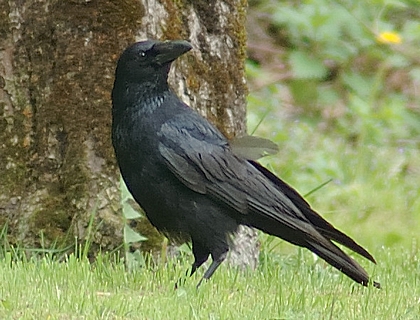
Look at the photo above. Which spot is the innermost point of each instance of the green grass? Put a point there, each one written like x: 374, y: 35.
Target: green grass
x: 374, y: 197
x: 295, y: 286
x: 354, y: 128
x: 374, y: 194
x: 336, y: 112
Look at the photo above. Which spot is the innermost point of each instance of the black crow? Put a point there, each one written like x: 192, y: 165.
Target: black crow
x: 191, y: 184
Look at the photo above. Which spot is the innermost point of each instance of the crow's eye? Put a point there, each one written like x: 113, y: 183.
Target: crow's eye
x: 142, y: 54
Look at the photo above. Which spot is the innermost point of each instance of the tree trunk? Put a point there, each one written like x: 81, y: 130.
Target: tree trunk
x: 57, y: 60
x: 57, y: 66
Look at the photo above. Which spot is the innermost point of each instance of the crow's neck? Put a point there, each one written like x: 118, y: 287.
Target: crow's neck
x: 151, y: 97
x: 145, y: 97
x: 141, y: 97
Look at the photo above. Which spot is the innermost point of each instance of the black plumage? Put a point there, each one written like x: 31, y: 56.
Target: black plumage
x: 192, y: 186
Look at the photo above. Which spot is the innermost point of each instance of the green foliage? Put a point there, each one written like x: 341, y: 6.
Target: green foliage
x: 334, y: 49
x: 304, y: 66
x: 134, y: 259
x: 345, y: 108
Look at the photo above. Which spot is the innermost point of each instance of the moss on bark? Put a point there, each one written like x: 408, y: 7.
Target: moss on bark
x: 56, y: 73
x: 57, y: 118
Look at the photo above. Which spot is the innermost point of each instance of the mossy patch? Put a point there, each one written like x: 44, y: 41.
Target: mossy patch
x: 154, y: 238
x: 4, y: 19
x: 63, y: 73
x: 52, y: 228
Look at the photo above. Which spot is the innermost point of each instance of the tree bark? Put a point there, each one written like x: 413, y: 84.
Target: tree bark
x: 57, y: 60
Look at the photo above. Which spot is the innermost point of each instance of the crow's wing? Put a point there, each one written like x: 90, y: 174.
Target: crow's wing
x: 200, y: 157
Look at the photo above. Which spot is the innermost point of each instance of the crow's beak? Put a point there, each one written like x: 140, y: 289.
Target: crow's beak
x: 168, y: 51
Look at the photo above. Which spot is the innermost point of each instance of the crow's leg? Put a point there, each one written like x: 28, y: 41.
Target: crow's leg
x: 201, y: 255
x: 217, y: 260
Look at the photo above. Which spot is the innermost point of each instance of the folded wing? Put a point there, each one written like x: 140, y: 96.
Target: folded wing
x: 258, y: 198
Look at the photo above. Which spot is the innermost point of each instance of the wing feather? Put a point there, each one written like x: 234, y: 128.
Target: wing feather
x: 202, y: 159
x: 212, y: 168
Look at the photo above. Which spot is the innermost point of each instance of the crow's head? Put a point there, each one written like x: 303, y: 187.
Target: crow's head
x: 146, y: 60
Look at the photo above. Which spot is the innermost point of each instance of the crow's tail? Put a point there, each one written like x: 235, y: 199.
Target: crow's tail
x: 308, y: 229
x: 338, y: 259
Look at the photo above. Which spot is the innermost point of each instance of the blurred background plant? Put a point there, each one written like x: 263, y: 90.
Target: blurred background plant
x: 337, y: 86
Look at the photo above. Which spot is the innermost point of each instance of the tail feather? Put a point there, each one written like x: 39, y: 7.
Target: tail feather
x: 339, y: 260
x: 315, y: 234
x: 345, y: 240
x: 319, y: 223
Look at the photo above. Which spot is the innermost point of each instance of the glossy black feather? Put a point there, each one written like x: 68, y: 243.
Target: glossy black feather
x: 191, y: 184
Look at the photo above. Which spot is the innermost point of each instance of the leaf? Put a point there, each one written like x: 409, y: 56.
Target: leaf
x: 131, y: 236
x: 125, y: 194
x: 127, y: 209
x: 361, y: 85
x: 306, y: 67
x: 129, y: 212
x: 253, y: 148
x: 135, y: 260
